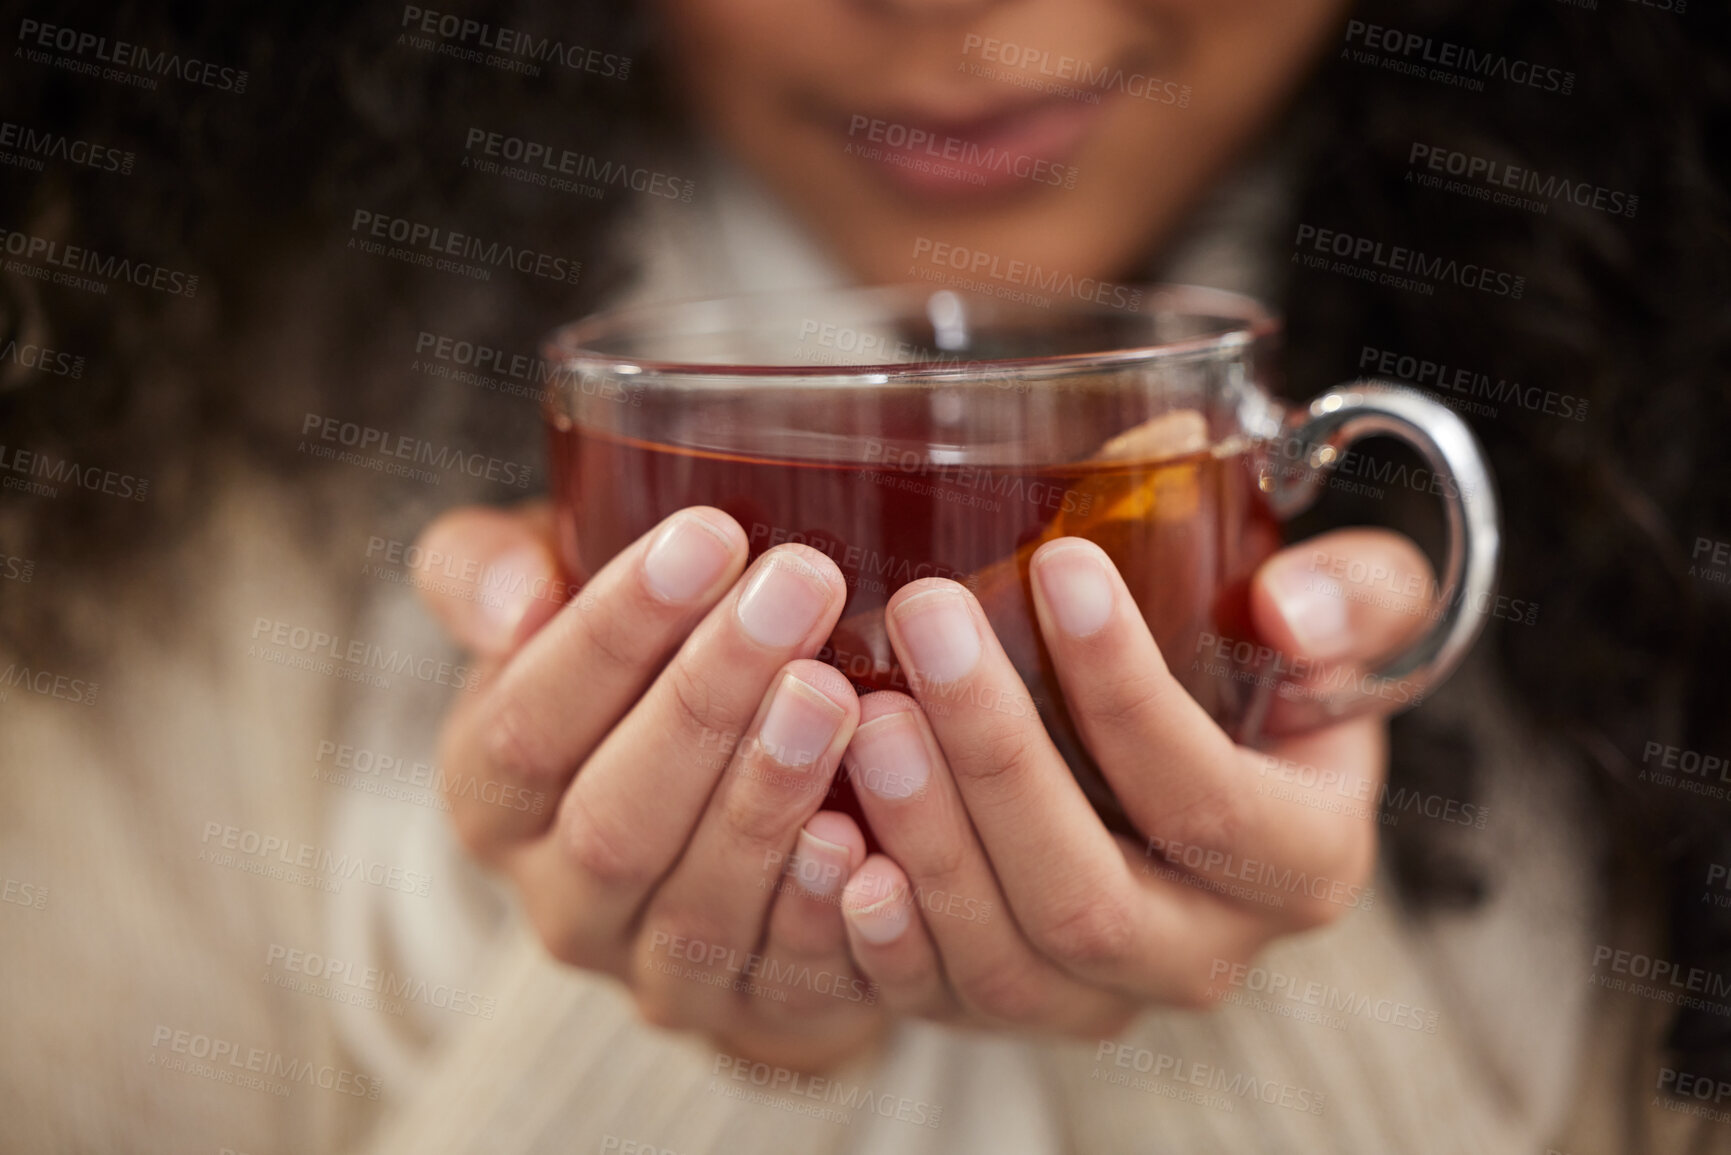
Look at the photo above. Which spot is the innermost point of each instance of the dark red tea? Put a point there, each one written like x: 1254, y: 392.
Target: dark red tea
x: 879, y: 497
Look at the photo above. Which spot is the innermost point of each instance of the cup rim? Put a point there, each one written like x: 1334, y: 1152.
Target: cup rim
x: 568, y: 346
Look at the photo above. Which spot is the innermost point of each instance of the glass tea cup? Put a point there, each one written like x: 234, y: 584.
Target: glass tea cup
x: 909, y: 433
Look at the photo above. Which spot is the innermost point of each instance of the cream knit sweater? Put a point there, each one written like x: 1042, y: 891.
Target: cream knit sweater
x: 184, y: 860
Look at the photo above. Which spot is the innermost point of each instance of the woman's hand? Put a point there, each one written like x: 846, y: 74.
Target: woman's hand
x: 1001, y: 897
x: 672, y: 715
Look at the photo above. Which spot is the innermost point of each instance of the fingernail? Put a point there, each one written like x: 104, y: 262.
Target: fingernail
x: 507, y: 591
x: 686, y: 558
x: 1076, y: 588
x: 800, y: 724
x: 939, y: 633
x: 818, y: 866
x: 1314, y: 607
x: 781, y: 604
x: 888, y: 756
x: 883, y: 920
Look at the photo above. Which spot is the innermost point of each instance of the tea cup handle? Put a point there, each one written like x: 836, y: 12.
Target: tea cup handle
x: 1332, y: 422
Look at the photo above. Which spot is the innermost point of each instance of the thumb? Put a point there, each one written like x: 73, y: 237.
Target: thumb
x: 489, y: 576
x: 1351, y: 596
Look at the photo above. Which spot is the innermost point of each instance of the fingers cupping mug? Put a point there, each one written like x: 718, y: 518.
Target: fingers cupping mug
x: 908, y: 433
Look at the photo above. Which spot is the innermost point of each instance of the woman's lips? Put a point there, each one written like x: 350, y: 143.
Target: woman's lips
x: 1026, y: 148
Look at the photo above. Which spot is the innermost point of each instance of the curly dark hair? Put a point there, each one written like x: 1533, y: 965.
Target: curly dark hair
x: 1627, y: 306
